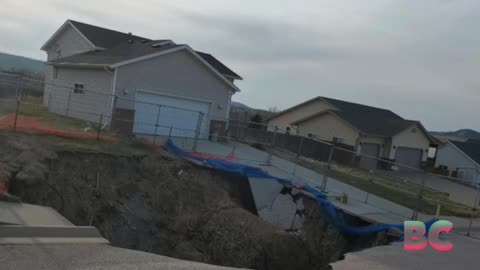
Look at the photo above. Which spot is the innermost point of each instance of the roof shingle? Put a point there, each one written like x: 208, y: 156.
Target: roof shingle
x: 471, y: 148
x: 118, y: 49
x: 367, y: 119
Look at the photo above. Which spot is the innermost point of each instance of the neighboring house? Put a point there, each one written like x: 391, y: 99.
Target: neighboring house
x: 371, y: 131
x: 461, y: 159
x: 113, y: 73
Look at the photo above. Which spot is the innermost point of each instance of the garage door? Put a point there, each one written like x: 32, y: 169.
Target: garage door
x: 369, y: 149
x: 408, y: 156
x: 179, y: 113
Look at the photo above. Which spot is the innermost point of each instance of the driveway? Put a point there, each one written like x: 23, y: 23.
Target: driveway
x: 458, y: 192
x: 360, y: 203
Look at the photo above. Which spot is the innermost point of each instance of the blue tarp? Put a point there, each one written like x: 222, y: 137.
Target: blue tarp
x: 332, y: 215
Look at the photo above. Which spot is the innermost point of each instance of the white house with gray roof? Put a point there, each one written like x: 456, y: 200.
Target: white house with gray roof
x: 138, y: 85
x: 373, y: 132
x: 461, y: 159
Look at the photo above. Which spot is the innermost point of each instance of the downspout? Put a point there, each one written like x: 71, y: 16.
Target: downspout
x: 113, y: 96
x: 229, y: 106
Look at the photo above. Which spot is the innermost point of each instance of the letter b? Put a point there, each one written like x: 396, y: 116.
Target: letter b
x: 414, y: 235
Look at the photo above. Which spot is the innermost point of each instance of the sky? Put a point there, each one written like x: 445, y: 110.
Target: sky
x: 418, y: 58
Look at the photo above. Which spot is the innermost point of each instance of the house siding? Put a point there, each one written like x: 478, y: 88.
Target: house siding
x: 176, y: 74
x: 68, y: 43
x: 47, y: 87
x: 453, y: 158
x: 409, y: 139
x: 283, y: 121
x: 327, y: 126
x: 96, y: 100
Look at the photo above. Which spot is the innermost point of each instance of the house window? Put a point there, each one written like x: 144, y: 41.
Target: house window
x: 414, y: 130
x: 287, y: 131
x: 78, y: 88
x: 55, y: 72
x: 310, y: 135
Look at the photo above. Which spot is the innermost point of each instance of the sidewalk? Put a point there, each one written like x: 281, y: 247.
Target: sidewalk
x: 393, y: 257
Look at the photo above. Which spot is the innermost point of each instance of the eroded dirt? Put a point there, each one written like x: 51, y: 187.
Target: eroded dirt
x: 148, y: 200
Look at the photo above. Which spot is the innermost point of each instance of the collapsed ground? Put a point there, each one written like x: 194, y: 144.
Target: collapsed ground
x: 145, y: 199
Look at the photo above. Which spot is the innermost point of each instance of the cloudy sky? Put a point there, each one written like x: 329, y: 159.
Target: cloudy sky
x: 419, y: 58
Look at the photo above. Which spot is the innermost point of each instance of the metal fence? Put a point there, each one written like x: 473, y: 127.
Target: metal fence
x: 335, y: 168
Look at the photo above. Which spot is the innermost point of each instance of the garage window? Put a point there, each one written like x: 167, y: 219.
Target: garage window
x: 78, y: 88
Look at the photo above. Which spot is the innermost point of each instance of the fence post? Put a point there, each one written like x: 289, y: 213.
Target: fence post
x: 156, y: 125
x: 170, y: 133
x: 329, y: 164
x: 274, y: 136
x: 300, y: 147
x: 99, y: 126
x: 16, y: 115
x: 68, y: 102
x: 474, y: 208
x: 197, y: 131
x: 419, y: 201
x: 17, y: 89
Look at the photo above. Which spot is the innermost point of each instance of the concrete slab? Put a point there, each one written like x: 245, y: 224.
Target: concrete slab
x: 29, y: 214
x: 393, y: 257
x: 278, y: 209
x: 89, y: 257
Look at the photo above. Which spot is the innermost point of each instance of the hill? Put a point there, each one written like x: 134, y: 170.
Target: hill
x: 241, y: 114
x: 461, y: 134
x: 9, y: 62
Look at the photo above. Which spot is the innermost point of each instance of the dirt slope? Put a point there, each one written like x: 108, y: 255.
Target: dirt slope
x: 148, y: 200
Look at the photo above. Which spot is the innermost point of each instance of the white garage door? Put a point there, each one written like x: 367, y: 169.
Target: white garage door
x: 410, y: 157
x: 179, y: 113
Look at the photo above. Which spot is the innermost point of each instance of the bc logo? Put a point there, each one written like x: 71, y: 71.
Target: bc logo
x: 414, y: 235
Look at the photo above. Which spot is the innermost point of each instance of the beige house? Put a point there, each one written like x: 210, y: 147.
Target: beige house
x: 372, y: 131
x: 149, y: 85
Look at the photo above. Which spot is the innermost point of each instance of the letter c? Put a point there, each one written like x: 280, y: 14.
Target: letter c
x: 441, y: 226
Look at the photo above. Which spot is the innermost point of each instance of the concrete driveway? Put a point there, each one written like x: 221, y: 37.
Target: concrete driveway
x: 458, y: 192
x: 360, y: 203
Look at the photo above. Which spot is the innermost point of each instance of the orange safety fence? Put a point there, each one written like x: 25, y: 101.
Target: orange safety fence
x: 32, y: 125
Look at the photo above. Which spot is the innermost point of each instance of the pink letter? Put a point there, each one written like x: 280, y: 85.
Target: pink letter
x: 441, y: 226
x: 414, y: 235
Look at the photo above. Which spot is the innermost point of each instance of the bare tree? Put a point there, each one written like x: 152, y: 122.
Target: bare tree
x: 274, y: 109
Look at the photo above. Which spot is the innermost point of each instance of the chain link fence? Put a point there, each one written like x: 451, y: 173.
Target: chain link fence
x: 334, y: 167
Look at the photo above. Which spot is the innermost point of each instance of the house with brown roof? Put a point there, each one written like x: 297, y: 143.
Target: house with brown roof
x: 371, y: 131
x: 148, y: 84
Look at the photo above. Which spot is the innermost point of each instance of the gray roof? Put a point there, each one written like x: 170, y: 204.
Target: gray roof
x: 121, y: 47
x: 471, y: 148
x: 369, y: 120
x: 121, y: 52
x: 102, y: 37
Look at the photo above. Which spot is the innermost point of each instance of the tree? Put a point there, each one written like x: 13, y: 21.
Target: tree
x: 274, y: 109
x: 256, y: 121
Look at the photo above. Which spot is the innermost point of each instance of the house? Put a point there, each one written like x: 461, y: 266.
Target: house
x: 461, y: 159
x: 136, y: 83
x: 371, y: 131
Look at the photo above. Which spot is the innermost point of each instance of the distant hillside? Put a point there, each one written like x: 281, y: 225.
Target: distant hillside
x: 239, y: 105
x: 462, y: 134
x: 243, y: 113
x: 10, y: 62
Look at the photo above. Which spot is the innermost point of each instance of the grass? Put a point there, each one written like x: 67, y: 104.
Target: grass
x: 402, y: 193
x: 33, y: 107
